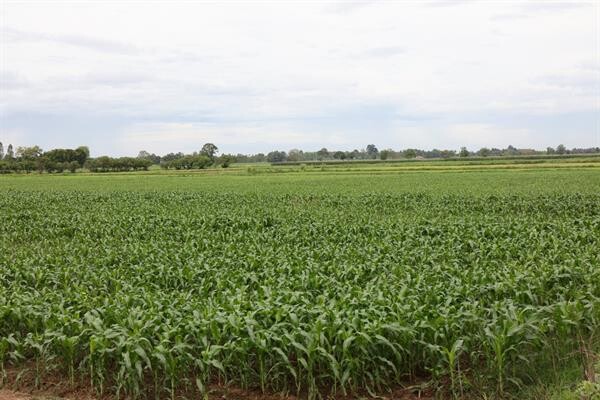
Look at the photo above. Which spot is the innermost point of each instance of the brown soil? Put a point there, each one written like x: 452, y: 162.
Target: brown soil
x: 228, y: 394
x: 57, y: 387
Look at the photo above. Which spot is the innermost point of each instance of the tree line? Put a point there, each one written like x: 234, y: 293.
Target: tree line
x: 371, y: 152
x: 29, y: 159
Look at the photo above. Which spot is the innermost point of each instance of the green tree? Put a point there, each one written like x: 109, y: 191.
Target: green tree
x: 409, y: 153
x: 72, y: 166
x: 484, y: 152
x: 510, y: 151
x: 144, y: 155
x: 323, y: 153
x: 550, y: 150
x: 339, y: 155
x: 372, y: 151
x: 561, y: 149
x: 1, y: 151
x: 84, y: 154
x: 463, y: 152
x: 172, y: 156
x: 10, y: 154
x: 225, y: 160
x: 29, y: 153
x: 209, y: 150
x: 295, y: 155
x: 276, y: 156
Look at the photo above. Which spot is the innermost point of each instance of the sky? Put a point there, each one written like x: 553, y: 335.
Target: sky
x: 125, y: 76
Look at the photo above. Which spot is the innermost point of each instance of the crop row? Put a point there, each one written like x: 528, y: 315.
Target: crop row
x: 174, y: 291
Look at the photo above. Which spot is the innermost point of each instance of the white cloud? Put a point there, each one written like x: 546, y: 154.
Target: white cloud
x: 487, y: 135
x: 171, y: 137
x: 176, y: 62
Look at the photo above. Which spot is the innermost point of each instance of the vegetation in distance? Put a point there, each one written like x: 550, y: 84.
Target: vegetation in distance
x: 28, y: 159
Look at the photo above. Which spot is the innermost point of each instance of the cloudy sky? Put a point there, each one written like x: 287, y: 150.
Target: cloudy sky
x: 169, y: 76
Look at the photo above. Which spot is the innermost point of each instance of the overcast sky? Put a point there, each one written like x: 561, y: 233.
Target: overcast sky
x: 169, y: 76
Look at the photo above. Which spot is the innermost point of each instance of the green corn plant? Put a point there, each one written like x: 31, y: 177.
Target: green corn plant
x: 452, y: 355
x: 306, y: 285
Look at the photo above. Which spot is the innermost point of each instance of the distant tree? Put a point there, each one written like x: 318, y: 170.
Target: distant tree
x: 66, y: 156
x: 561, y: 149
x: 172, y: 156
x: 276, y: 156
x: 29, y: 153
x: 463, y: 152
x: 339, y: 155
x: 550, y: 150
x: 144, y: 155
x: 447, y: 153
x: 209, y: 150
x: 510, y: 151
x: 83, y: 153
x: 1, y: 151
x: 10, y: 154
x: 225, y: 160
x: 295, y: 155
x: 409, y: 153
x: 484, y: 152
x: 323, y: 153
x: 435, y: 153
x: 72, y: 166
x: 104, y: 164
x: 372, y: 151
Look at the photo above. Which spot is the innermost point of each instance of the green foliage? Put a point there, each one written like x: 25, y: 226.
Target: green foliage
x: 29, y: 153
x: 409, y: 153
x: 30, y: 159
x: 209, y: 150
x: 188, y: 162
x: 297, y: 284
x: 225, y: 160
x: 79, y: 155
x: 276, y: 156
x: 109, y: 164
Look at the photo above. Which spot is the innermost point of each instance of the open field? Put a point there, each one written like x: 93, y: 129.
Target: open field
x: 453, y: 282
x: 471, y: 160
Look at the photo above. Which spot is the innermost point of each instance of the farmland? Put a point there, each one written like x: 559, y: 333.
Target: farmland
x: 309, y: 282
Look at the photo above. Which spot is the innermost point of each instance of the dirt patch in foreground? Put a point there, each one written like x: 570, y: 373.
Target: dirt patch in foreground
x: 54, y: 386
x: 6, y: 395
x: 10, y: 395
x: 230, y: 394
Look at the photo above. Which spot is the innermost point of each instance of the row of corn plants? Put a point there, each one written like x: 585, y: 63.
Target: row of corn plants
x: 161, y: 294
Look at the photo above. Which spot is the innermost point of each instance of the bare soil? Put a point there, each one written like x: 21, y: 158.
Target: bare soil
x: 57, y: 387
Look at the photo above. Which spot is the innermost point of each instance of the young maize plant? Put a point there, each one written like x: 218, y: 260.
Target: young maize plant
x: 302, y: 291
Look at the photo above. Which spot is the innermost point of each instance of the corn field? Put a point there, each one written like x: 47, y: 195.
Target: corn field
x: 157, y: 293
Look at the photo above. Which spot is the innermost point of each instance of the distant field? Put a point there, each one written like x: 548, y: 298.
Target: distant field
x: 594, y: 157
x: 454, y: 282
x: 326, y: 181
